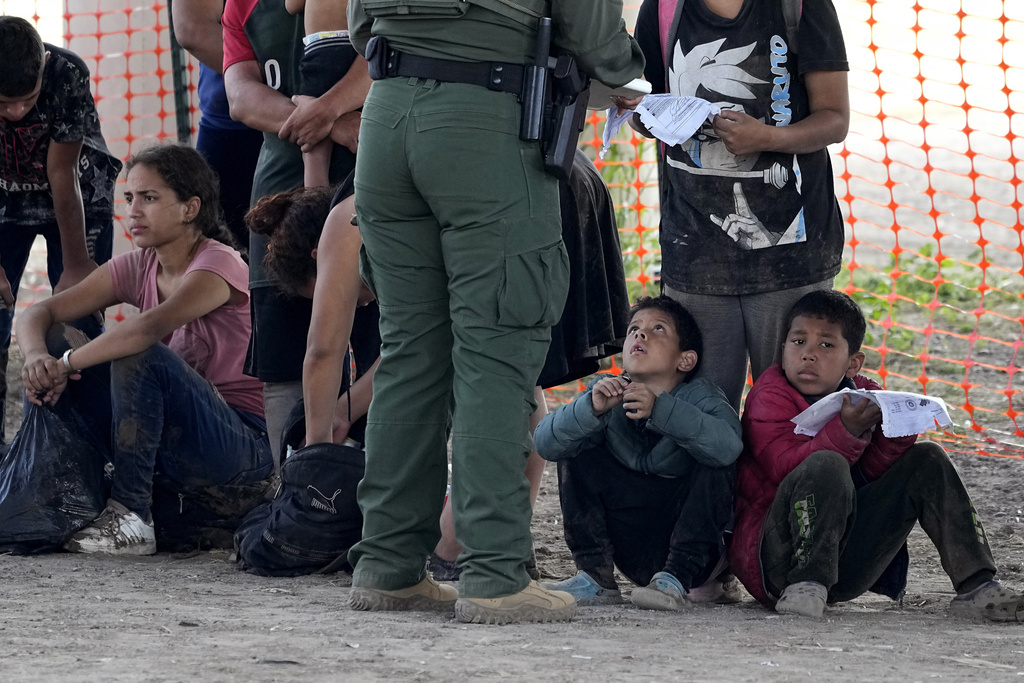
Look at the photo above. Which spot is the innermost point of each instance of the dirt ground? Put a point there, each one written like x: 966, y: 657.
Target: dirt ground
x: 187, y: 618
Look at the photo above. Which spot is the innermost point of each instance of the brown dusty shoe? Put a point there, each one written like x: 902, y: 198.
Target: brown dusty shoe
x: 533, y: 604
x: 990, y: 601
x: 425, y: 596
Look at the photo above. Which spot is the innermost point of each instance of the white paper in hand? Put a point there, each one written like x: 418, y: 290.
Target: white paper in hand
x: 903, y: 413
x: 674, y: 119
x: 611, y: 128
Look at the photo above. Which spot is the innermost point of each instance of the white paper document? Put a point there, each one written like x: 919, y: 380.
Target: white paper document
x: 903, y: 413
x: 674, y: 119
x: 611, y: 128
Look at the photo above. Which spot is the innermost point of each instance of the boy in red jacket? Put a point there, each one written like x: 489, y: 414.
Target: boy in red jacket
x: 826, y: 518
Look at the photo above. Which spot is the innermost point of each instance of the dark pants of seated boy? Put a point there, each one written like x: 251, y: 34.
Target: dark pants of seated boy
x: 822, y: 528
x: 643, y: 523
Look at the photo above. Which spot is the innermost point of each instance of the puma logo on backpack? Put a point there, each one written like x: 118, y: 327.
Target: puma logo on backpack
x: 322, y: 502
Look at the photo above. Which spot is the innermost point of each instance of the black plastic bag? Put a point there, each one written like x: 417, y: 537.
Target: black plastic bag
x: 314, y: 519
x: 51, y: 484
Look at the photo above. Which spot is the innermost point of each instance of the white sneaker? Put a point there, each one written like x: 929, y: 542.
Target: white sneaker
x: 806, y: 598
x: 117, y: 531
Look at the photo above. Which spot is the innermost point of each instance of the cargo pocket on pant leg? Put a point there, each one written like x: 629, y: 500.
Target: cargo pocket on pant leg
x: 533, y: 288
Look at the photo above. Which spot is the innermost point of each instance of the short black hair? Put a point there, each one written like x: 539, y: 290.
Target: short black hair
x: 22, y: 55
x: 835, y: 307
x: 690, y: 338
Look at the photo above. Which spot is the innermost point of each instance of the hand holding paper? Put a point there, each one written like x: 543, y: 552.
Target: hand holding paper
x: 670, y: 118
x: 903, y: 413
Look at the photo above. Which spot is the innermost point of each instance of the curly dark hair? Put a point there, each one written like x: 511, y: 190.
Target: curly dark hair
x: 293, y: 221
x: 188, y: 175
x: 23, y: 56
x: 835, y: 307
x: 690, y: 338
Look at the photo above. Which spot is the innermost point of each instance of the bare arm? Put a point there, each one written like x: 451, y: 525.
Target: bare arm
x: 827, y: 123
x: 353, y: 404
x: 62, y: 172
x: 313, y: 118
x: 200, y: 292
x: 252, y: 101
x: 198, y: 30
x: 334, y: 303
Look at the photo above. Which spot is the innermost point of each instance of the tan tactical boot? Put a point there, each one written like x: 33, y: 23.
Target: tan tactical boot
x: 533, y: 604
x: 425, y: 596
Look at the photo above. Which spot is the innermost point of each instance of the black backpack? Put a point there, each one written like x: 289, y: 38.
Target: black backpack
x: 313, y: 520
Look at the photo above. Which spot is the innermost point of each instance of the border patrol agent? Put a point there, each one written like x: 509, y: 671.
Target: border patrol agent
x: 462, y: 246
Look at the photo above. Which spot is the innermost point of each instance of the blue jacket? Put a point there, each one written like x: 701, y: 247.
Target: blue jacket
x: 694, y: 420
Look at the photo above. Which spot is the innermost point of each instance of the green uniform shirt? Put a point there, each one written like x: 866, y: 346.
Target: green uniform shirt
x: 591, y: 30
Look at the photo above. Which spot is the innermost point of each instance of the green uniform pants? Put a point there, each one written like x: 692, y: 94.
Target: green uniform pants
x: 462, y: 246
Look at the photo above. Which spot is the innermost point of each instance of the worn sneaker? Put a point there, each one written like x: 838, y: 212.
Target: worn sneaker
x: 664, y: 593
x: 585, y: 590
x: 990, y: 601
x: 117, y: 531
x: 533, y: 604
x: 426, y: 596
x: 806, y: 598
x: 725, y: 589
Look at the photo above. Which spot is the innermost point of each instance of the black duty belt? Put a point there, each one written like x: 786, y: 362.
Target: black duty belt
x: 498, y: 76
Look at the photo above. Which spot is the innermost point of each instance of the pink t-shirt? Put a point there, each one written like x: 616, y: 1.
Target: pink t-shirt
x: 213, y: 345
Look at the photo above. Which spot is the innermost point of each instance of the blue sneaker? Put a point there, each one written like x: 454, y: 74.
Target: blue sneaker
x: 586, y: 590
x: 664, y: 592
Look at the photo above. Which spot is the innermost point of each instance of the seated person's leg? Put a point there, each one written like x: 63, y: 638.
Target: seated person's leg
x: 699, y: 506
x: 924, y: 486
x: 583, y: 483
x: 805, y: 531
x: 168, y: 418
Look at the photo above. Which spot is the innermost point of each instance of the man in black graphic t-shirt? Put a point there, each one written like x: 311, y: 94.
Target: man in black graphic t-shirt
x: 749, y: 218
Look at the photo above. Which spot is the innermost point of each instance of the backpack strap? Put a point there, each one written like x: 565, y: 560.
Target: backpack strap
x: 669, y: 12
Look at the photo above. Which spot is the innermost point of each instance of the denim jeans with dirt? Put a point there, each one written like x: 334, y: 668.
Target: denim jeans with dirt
x: 821, y: 527
x: 155, y: 414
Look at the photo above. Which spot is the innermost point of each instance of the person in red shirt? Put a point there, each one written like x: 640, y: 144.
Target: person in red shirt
x: 825, y: 518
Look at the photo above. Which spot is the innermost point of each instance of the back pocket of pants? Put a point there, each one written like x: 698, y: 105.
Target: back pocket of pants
x: 534, y: 286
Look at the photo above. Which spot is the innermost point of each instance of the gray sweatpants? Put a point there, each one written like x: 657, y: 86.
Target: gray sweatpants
x: 734, y: 327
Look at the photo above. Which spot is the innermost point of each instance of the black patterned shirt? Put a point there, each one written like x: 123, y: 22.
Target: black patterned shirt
x: 65, y: 112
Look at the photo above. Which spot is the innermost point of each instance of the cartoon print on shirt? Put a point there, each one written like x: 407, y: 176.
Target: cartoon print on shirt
x: 716, y: 75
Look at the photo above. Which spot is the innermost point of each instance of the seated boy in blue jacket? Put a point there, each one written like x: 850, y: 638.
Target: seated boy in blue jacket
x: 645, y: 470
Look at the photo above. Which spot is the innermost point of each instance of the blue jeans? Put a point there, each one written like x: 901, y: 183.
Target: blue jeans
x: 154, y: 413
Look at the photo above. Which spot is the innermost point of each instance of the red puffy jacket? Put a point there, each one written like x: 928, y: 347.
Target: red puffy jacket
x: 771, y: 450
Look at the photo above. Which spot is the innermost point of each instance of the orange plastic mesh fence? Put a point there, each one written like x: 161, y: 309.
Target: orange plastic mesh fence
x: 928, y: 180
